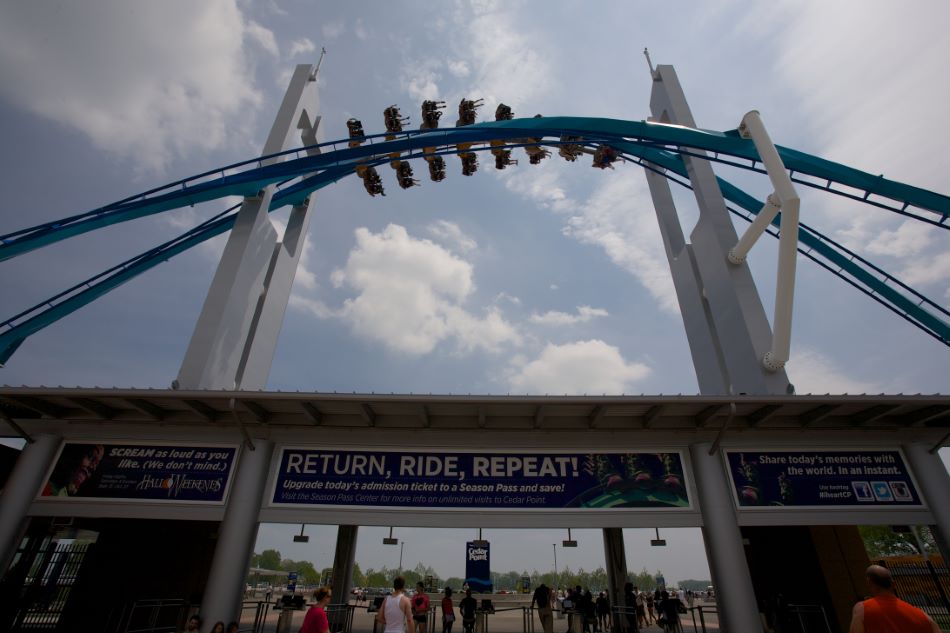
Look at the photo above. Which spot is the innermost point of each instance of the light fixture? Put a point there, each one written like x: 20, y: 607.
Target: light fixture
x: 480, y: 542
x: 658, y: 542
x: 390, y: 540
x: 301, y: 538
x: 569, y: 542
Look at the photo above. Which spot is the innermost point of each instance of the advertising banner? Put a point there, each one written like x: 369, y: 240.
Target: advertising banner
x: 821, y: 479
x: 404, y: 479
x: 478, y: 566
x: 141, y: 472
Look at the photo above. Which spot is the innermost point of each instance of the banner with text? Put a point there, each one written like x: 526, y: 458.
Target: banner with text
x: 478, y: 566
x: 821, y: 479
x: 141, y: 472
x: 406, y: 479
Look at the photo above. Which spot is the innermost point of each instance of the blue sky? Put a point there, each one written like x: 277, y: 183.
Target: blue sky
x: 538, y: 279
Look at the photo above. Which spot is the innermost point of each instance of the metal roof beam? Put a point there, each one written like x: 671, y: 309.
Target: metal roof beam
x: 205, y: 412
x: 312, y: 413
x: 922, y: 416
x: 706, y: 415
x: 651, y: 416
x: 539, y: 416
x: 260, y: 414
x: 596, y: 415
x: 817, y: 414
x: 42, y: 407
x: 368, y: 414
x: 871, y: 414
x: 762, y: 414
x: 95, y: 407
x: 153, y: 411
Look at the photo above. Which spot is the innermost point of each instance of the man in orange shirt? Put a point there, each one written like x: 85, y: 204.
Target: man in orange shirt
x: 884, y: 612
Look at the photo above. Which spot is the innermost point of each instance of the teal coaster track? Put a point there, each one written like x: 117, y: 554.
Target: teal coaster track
x: 658, y: 147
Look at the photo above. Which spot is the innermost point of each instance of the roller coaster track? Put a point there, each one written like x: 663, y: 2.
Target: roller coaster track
x: 654, y: 146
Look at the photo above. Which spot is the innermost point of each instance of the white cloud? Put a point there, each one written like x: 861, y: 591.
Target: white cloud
x: 301, y: 46
x: 263, y: 37
x: 451, y: 233
x: 419, y: 80
x: 576, y: 368
x: 618, y: 217
x: 459, y: 68
x: 314, y: 306
x: 505, y: 60
x: 504, y: 296
x: 929, y: 270
x: 553, y: 286
x: 909, y: 239
x: 542, y: 184
x: 553, y: 317
x: 360, y: 30
x: 123, y: 83
x: 410, y: 296
x: 334, y: 29
x: 813, y: 372
x: 887, y: 124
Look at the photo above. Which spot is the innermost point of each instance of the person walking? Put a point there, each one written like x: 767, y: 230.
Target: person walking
x: 590, y: 613
x: 641, y: 599
x: 541, y: 600
x: 448, y: 612
x: 395, y: 614
x: 316, y: 619
x: 669, y: 610
x: 884, y: 612
x: 467, y: 608
x: 651, y: 612
x: 603, y: 612
x: 420, y: 607
x: 630, y: 607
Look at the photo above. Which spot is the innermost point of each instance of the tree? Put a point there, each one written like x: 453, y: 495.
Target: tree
x: 882, y: 540
x: 269, y: 559
x: 694, y: 585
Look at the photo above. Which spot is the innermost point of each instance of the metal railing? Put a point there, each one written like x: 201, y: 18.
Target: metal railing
x: 340, y: 617
x: 156, y: 615
x: 811, y: 618
x: 701, y: 611
x: 256, y: 612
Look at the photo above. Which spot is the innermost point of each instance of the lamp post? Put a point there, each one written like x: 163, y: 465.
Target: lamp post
x: 554, y: 545
x: 401, y: 545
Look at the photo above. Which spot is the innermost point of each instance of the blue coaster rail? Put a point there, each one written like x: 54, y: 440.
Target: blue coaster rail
x: 654, y: 146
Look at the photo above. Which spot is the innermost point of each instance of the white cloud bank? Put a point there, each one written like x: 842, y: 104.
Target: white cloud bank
x: 813, y: 372
x: 554, y: 317
x: 591, y: 367
x: 410, y: 296
x: 452, y: 234
x: 132, y: 90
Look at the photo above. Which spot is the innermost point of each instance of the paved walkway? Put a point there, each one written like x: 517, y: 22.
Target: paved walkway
x: 510, y: 621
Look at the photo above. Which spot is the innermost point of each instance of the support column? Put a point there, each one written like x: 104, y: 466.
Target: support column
x: 615, y: 560
x: 730, y: 306
x: 20, y: 490
x: 343, y: 561
x: 233, y: 343
x: 236, y: 537
x: 934, y: 484
x: 735, y: 595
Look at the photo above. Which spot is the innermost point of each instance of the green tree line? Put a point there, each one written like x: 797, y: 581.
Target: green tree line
x: 595, y: 580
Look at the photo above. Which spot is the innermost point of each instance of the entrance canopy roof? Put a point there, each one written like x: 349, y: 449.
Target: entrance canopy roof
x: 33, y: 406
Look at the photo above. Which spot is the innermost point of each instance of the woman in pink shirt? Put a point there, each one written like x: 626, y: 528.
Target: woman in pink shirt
x: 316, y: 618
